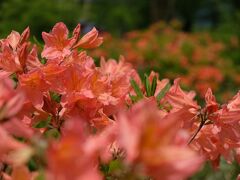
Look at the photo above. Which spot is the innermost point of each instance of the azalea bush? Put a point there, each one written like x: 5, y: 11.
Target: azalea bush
x: 63, y: 117
x: 200, y: 59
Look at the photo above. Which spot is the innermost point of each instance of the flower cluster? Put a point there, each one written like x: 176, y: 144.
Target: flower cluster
x: 64, y: 117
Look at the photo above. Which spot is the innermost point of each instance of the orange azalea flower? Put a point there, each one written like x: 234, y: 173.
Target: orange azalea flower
x: 8, y: 143
x: 53, y: 75
x: 101, y: 120
x: 34, y: 85
x: 11, y: 100
x: 20, y: 173
x: 14, y: 40
x: 92, y: 88
x: 85, y: 62
x: 32, y: 61
x: 59, y: 46
x: 75, y: 80
x: 15, y: 55
x: 221, y: 136
x: 89, y: 40
x: 18, y: 128
x: 118, y: 76
x: 178, y: 98
x: 67, y: 159
x: 153, y: 142
x: 9, y: 61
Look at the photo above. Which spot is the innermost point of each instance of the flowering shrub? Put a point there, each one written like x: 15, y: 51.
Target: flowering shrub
x: 195, y: 57
x: 63, y: 117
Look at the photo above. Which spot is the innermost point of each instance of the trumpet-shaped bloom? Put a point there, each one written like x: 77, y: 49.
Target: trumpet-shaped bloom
x: 9, y: 61
x: 156, y: 143
x: 178, y: 98
x: 68, y: 158
x: 34, y: 85
x: 118, y: 76
x: 16, y: 53
x: 11, y: 100
x: 59, y: 46
x: 221, y: 136
x: 14, y: 40
x: 90, y: 40
x: 57, y: 43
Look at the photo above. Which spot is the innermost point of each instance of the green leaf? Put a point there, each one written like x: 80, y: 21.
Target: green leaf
x: 52, y: 133
x: 37, y: 42
x: 43, y: 123
x: 43, y: 61
x: 154, y: 85
x: 104, y: 168
x: 114, y: 165
x: 41, y: 175
x: 136, y: 89
x: 15, y: 79
x: 133, y: 98
x: 163, y: 92
x: 32, y: 165
x: 55, y: 96
x: 147, y: 85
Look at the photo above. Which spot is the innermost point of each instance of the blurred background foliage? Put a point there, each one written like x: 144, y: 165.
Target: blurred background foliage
x: 38, y: 14
x: 197, y: 39
x: 118, y: 16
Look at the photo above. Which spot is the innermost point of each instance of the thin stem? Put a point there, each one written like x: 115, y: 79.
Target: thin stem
x: 202, y: 123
